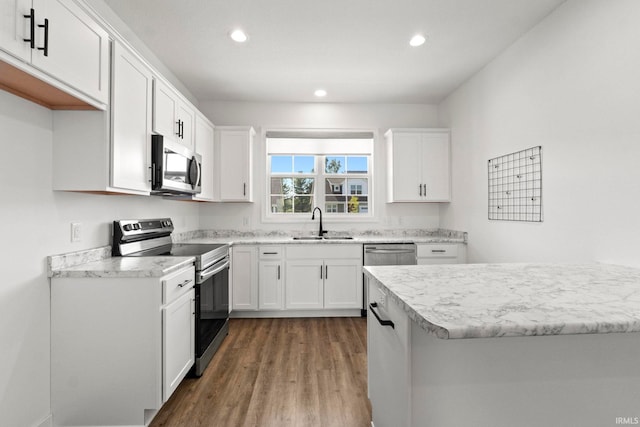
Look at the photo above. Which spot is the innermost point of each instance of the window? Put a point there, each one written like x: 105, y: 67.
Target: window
x: 332, y: 172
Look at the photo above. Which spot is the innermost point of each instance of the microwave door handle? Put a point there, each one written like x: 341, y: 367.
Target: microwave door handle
x: 195, y: 184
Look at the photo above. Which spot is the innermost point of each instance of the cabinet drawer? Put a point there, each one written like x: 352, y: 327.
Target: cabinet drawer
x: 437, y: 251
x: 323, y: 250
x: 176, y: 284
x: 271, y: 252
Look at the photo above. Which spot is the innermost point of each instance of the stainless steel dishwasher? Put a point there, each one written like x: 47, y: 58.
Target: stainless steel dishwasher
x: 385, y: 254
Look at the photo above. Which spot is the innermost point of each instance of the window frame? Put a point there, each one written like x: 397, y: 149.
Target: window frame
x: 320, y: 176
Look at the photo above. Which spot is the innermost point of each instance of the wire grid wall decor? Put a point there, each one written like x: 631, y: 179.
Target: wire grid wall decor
x: 515, y: 186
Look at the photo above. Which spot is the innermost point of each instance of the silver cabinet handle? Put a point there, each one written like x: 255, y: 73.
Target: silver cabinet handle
x: 326, y: 271
x: 420, y: 188
x: 278, y: 272
x: 321, y: 272
x: 244, y: 189
x: 185, y: 283
x: 438, y: 251
x: 269, y: 253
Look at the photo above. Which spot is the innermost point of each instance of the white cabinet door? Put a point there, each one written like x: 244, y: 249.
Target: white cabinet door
x: 235, y: 163
x: 435, y: 166
x: 14, y: 28
x: 71, y: 47
x: 270, y: 285
x: 178, y: 342
x: 204, y: 147
x: 131, y: 121
x: 172, y: 117
x: 165, y: 105
x: 186, y: 120
x: 244, y: 279
x: 342, y: 283
x: 304, y: 284
x: 406, y: 157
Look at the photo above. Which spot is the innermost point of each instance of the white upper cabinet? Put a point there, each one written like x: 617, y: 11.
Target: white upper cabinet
x: 204, y: 147
x: 108, y: 151
x: 235, y: 162
x: 418, y: 165
x: 60, y: 39
x: 15, y: 27
x: 173, y: 118
x: 131, y: 121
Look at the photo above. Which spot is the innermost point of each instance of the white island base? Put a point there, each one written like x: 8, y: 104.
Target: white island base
x: 557, y: 380
x: 417, y: 379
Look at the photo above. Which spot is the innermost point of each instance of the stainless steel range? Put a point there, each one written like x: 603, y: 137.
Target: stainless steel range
x: 152, y: 237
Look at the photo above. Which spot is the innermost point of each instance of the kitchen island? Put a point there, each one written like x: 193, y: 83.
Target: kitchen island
x: 504, y: 345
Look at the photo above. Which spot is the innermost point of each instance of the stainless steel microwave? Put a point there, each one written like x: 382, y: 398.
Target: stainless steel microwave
x: 175, y: 169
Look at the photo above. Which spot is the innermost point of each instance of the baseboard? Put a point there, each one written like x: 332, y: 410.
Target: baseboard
x: 295, y: 313
x: 47, y: 422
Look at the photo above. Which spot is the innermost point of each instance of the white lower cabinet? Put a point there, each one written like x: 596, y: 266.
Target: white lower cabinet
x: 244, y: 278
x: 327, y: 276
x: 119, y: 346
x: 388, y: 360
x: 343, y: 283
x: 178, y: 342
x: 270, y: 278
x: 304, y: 286
x: 306, y: 279
x: 441, y: 253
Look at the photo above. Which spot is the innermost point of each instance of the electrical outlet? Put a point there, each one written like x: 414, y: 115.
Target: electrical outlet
x: 383, y: 299
x: 76, y: 231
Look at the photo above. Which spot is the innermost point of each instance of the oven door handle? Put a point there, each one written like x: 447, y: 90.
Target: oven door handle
x: 213, y: 270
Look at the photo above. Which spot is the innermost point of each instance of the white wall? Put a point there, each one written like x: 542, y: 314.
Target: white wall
x: 377, y: 117
x: 571, y: 85
x: 34, y: 223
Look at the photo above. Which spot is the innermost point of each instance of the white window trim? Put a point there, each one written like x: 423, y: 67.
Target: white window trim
x: 338, y: 148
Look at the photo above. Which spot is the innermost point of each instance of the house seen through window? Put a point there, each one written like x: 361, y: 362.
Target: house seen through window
x: 333, y: 173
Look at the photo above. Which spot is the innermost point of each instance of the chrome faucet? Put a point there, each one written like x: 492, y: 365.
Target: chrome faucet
x: 313, y: 216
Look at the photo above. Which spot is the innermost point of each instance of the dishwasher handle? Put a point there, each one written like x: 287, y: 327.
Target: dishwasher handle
x: 389, y: 251
x: 383, y: 322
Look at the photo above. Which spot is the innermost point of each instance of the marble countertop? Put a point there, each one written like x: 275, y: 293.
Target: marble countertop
x: 505, y: 300
x: 279, y: 237
x: 126, y: 267
x: 97, y: 262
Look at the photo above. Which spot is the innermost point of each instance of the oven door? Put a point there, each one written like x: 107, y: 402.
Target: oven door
x: 212, y: 311
x: 175, y: 168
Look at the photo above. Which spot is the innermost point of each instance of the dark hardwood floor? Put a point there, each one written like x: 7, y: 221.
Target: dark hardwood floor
x: 309, y: 372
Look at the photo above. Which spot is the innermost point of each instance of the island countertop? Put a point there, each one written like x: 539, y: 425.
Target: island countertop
x: 505, y: 300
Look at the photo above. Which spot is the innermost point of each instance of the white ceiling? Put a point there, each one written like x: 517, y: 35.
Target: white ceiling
x: 355, y: 49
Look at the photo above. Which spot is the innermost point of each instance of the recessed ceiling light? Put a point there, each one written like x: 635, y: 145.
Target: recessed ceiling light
x: 320, y: 93
x: 238, y: 36
x: 417, y: 40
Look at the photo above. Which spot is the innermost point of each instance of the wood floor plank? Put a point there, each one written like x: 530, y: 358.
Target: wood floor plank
x: 307, y: 372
